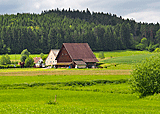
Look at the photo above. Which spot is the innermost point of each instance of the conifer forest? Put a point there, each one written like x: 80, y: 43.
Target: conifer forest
x: 48, y: 30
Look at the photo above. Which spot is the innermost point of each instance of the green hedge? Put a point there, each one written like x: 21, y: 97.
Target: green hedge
x: 9, y: 66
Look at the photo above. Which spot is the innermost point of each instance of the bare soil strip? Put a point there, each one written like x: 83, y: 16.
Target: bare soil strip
x: 67, y: 72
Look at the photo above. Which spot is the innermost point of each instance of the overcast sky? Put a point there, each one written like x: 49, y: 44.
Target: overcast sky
x: 140, y: 10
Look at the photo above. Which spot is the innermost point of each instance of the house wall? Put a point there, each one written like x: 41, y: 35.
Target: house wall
x: 50, y: 60
x: 63, y: 56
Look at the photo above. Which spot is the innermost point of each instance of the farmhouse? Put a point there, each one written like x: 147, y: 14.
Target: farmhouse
x: 76, y: 55
x: 38, y: 62
x: 50, y: 60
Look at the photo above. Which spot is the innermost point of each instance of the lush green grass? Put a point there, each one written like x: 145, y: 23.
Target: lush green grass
x: 120, y: 53
x: 17, y: 57
x: 35, y: 101
x: 127, y: 59
x: 75, y: 94
x: 57, y: 78
x: 88, y: 91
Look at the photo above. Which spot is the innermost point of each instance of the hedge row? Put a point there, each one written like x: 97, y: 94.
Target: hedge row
x: 9, y: 66
x: 72, y: 83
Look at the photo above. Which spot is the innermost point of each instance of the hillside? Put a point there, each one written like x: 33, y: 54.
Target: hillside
x: 48, y: 30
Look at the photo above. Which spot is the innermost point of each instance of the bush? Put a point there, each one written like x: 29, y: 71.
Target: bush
x: 5, y: 59
x: 29, y: 62
x: 44, y: 58
x: 41, y: 55
x: 23, y: 58
x: 9, y: 66
x: 101, y: 55
x: 152, y: 47
x: 8, y: 61
x: 14, y: 62
x: 157, y: 50
x: 146, y: 76
x: 25, y: 52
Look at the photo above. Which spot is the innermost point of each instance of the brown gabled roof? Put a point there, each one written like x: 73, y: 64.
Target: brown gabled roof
x: 36, y: 59
x: 80, y: 51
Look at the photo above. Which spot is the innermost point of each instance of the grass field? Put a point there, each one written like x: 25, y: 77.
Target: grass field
x: 78, y: 91
x: 16, y: 57
x: 90, y: 93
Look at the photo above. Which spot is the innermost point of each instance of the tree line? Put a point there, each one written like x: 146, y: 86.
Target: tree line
x: 48, y: 30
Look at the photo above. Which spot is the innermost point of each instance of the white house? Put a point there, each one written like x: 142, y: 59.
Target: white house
x: 38, y: 61
x: 50, y: 60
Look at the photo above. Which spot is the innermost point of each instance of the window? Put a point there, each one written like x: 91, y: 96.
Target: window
x: 50, y: 61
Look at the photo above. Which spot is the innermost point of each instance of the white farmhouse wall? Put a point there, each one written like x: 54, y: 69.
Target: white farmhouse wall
x: 50, y: 60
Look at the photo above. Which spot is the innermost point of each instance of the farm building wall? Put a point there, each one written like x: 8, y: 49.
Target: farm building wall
x: 63, y: 56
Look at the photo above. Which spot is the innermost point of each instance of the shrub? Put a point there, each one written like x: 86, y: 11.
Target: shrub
x: 14, y: 62
x: 41, y: 55
x: 5, y: 59
x: 23, y: 58
x: 29, y: 62
x: 9, y: 66
x: 101, y: 55
x: 152, y: 47
x: 44, y: 58
x: 8, y: 61
x: 157, y: 50
x: 25, y: 52
x: 145, y: 79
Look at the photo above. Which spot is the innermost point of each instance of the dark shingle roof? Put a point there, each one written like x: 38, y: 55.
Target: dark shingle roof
x: 80, y: 51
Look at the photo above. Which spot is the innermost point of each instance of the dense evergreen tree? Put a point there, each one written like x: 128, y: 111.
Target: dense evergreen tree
x: 48, y: 30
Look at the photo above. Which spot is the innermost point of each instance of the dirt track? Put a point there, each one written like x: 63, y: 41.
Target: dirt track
x: 67, y: 72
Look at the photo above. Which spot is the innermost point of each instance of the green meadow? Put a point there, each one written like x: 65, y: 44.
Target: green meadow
x: 77, y: 91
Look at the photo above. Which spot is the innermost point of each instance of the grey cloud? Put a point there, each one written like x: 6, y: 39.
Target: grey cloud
x: 118, y: 7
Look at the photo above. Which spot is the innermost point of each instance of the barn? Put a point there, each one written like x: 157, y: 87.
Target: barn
x: 76, y: 55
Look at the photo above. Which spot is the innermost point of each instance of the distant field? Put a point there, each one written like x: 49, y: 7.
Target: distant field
x: 127, y: 59
x: 121, y: 53
x: 123, y: 59
x: 16, y: 57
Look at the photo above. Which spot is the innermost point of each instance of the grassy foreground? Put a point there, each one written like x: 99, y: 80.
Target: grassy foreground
x: 89, y: 91
x: 78, y: 91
